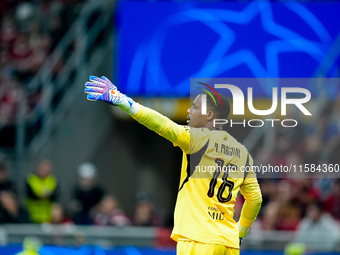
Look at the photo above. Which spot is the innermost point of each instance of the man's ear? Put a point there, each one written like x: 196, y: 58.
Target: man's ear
x: 210, y: 115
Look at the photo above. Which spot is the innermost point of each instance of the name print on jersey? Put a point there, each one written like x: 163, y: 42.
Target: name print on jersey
x: 227, y: 150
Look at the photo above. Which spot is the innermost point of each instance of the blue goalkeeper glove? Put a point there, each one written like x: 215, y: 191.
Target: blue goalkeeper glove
x: 102, y: 89
x: 242, y: 232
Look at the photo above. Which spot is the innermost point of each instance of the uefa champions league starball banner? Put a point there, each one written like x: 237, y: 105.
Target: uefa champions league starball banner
x: 160, y: 46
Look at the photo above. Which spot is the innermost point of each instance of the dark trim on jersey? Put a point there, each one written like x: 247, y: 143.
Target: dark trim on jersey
x: 246, y: 167
x: 192, y: 161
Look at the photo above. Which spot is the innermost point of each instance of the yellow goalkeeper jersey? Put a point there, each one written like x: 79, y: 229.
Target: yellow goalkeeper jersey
x: 215, y: 168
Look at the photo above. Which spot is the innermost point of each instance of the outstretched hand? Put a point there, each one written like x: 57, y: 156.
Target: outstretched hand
x: 102, y: 89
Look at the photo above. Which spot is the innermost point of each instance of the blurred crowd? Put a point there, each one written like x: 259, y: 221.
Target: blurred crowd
x: 309, y: 205
x: 29, y: 32
x: 90, y: 203
x: 286, y: 200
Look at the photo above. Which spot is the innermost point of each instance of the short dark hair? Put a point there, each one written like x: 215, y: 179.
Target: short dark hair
x: 222, y: 110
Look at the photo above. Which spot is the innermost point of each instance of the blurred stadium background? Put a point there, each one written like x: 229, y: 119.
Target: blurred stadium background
x: 130, y: 176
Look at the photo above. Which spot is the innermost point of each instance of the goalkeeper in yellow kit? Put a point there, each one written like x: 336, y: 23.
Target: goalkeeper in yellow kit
x: 215, y: 168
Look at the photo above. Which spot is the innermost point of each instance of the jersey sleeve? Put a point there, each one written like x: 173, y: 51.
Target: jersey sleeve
x: 251, y: 192
x: 177, y: 134
x: 190, y: 140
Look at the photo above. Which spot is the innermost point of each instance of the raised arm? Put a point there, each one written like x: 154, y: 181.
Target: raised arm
x: 101, y: 89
